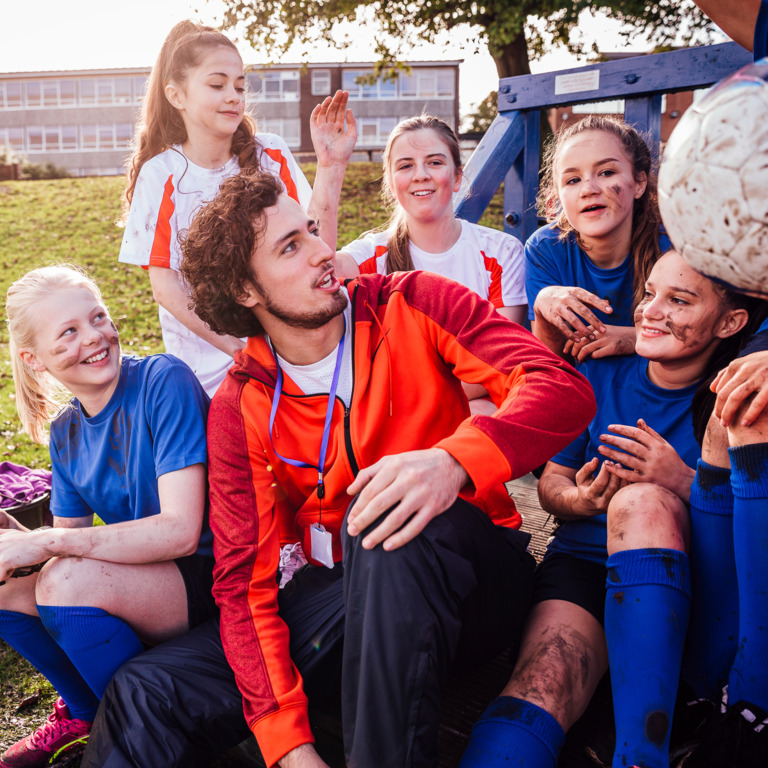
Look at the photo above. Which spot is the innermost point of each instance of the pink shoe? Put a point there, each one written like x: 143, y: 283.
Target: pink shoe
x: 59, y: 734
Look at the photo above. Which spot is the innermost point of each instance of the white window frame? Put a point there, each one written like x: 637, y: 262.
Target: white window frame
x: 321, y: 82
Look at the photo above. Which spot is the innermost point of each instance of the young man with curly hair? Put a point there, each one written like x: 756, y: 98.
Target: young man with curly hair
x: 342, y: 438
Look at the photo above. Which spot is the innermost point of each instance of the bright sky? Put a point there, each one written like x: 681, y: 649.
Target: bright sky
x: 94, y: 34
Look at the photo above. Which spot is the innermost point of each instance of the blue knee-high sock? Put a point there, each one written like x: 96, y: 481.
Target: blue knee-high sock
x: 27, y: 635
x: 646, y: 614
x: 748, y: 679
x: 97, y: 642
x: 712, y: 630
x: 514, y: 732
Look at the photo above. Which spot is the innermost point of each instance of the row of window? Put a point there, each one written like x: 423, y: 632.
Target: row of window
x: 283, y: 85
x: 420, y: 84
x: 72, y: 92
x: 67, y: 138
x: 267, y: 85
x: 372, y: 132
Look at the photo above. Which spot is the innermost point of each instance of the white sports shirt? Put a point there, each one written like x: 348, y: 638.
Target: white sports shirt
x: 486, y: 260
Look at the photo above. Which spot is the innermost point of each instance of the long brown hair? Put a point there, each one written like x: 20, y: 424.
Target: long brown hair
x: 161, y: 125
x: 646, y: 220
x: 398, y: 249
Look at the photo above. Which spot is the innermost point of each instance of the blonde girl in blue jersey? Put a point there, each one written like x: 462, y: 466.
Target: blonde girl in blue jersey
x: 194, y: 133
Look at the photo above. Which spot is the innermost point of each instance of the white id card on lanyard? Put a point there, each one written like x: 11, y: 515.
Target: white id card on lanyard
x: 321, y: 544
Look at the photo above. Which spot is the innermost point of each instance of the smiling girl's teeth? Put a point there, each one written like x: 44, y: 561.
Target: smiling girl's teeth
x: 422, y: 193
x: 96, y: 358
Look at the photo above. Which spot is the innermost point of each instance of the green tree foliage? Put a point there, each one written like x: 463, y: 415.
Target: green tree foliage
x: 515, y: 32
x: 480, y: 121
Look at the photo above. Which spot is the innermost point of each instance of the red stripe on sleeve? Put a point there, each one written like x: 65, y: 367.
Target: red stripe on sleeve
x: 160, y: 255
x: 494, y: 290
x: 285, y: 173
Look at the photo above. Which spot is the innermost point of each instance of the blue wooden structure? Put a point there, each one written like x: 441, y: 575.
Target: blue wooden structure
x: 509, y: 151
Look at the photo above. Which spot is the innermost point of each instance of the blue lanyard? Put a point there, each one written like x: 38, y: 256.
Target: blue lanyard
x: 328, y: 414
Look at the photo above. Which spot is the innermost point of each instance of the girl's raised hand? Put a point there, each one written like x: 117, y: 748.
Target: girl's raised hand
x: 333, y: 130
x: 567, y: 308
x: 646, y: 458
x: 617, y: 340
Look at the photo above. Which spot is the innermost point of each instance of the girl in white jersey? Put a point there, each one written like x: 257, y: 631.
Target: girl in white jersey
x: 193, y: 134
x: 422, y: 170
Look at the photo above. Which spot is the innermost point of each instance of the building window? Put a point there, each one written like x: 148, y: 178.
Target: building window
x: 105, y: 91
x: 288, y: 128
x: 106, y: 137
x: 139, y: 87
x: 321, y: 82
x: 68, y: 137
x: 87, y: 91
x: 34, y: 94
x: 374, y: 131
x: 16, y: 139
x: 34, y: 139
x: 427, y: 84
x: 10, y: 93
x: 51, y: 93
x: 122, y: 90
x: 123, y: 133
x: 67, y: 94
x: 280, y: 85
x: 52, y: 138
x: 88, y: 137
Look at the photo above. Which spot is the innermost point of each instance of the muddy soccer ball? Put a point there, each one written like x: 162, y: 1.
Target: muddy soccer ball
x: 713, y: 182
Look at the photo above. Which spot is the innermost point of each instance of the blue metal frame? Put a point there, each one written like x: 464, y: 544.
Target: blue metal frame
x: 509, y: 151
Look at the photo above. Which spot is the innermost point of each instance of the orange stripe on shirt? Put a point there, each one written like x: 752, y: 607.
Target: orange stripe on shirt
x: 285, y: 173
x: 160, y: 255
x: 494, y: 290
x: 370, y: 266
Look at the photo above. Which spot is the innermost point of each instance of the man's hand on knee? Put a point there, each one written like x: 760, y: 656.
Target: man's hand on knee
x: 416, y: 486
x: 304, y: 756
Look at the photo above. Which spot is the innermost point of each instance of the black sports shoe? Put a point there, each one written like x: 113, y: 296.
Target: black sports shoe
x: 736, y: 738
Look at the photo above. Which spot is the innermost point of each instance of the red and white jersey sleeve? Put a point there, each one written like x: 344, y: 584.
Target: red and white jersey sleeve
x: 486, y: 260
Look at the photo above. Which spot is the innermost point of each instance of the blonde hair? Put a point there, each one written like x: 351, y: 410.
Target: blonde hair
x: 39, y: 397
x: 398, y: 249
x: 161, y: 125
x: 646, y: 219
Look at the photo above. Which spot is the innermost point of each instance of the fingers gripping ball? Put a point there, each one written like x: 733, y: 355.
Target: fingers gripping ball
x: 713, y: 182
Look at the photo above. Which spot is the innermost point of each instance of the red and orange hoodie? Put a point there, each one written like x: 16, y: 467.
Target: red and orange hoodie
x: 414, y: 336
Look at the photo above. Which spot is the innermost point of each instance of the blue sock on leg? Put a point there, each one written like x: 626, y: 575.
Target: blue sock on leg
x: 713, y: 628
x: 748, y: 679
x: 646, y: 615
x: 514, y: 732
x: 96, y: 642
x: 27, y: 635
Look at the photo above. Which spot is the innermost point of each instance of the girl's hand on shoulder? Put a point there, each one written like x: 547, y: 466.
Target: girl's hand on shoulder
x: 595, y: 491
x: 746, y: 377
x: 617, y: 340
x: 332, y: 140
x: 567, y: 308
x: 646, y: 458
